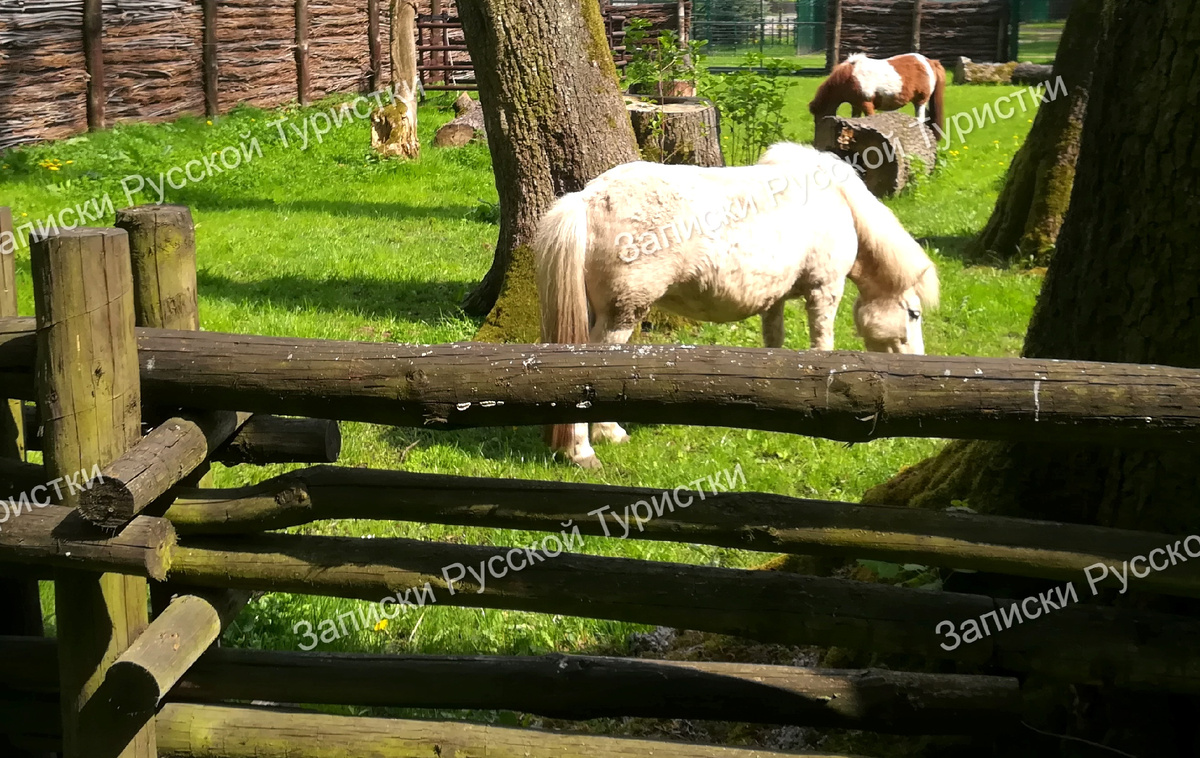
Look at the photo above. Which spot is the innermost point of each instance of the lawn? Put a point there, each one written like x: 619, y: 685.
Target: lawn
x: 331, y: 242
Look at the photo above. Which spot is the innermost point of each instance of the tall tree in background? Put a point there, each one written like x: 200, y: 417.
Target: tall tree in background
x: 1029, y: 212
x: 1124, y: 285
x: 555, y: 119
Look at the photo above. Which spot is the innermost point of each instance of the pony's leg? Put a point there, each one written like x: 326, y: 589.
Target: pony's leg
x: 772, y: 325
x: 822, y: 302
x: 609, y: 431
x: 921, y: 112
x: 868, y: 107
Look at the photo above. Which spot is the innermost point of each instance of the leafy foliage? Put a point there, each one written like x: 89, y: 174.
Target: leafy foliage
x: 658, y: 60
x: 752, y: 104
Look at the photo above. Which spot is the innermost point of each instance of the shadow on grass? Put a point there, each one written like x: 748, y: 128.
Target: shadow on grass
x: 958, y: 247
x: 415, y: 300
x: 496, y: 443
x: 198, y: 199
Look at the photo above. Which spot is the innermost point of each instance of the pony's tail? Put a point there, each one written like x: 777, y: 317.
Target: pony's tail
x: 889, y: 260
x: 937, y: 100
x: 560, y: 251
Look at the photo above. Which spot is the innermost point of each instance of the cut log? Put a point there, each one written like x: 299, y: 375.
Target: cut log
x: 888, y: 149
x: 967, y: 71
x: 159, y: 461
x: 466, y: 126
x: 576, y: 687
x: 677, y: 130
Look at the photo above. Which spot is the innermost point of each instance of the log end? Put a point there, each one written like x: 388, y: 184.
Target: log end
x: 109, y: 504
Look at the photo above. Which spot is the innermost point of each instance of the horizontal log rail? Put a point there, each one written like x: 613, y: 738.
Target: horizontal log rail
x: 263, y: 439
x: 745, y: 520
x: 1078, y: 643
x: 852, y: 397
x: 203, y: 731
x: 56, y: 536
x: 576, y: 687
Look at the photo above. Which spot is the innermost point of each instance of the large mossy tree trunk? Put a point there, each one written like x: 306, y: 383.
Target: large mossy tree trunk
x: 555, y: 119
x: 1025, y: 224
x: 1124, y: 286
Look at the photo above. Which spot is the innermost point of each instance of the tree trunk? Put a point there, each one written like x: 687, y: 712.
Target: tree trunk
x: 394, y: 127
x: 1122, y: 287
x: 555, y: 119
x: 677, y: 131
x: 1029, y: 212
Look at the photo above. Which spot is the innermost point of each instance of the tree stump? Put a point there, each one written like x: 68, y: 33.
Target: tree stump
x: 466, y: 126
x: 677, y: 130
x: 967, y: 71
x: 885, y: 148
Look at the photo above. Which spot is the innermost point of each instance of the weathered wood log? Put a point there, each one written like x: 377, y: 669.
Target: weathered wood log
x: 889, y: 148
x: 466, y: 126
x: 394, y: 127
x: 967, y: 71
x: 577, y: 687
x: 158, y: 462
x: 742, y: 520
x: 1081, y: 644
x: 140, y: 679
x: 261, y: 440
x: 212, y: 101
x: 89, y: 395
x: 201, y: 731
x: 677, y: 130
x: 853, y: 397
x: 162, y: 243
x: 57, y: 536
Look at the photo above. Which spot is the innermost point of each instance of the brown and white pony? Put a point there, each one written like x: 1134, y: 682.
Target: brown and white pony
x: 721, y: 245
x: 870, y: 84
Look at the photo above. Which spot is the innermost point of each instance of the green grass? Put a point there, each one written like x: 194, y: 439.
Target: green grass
x: 330, y: 242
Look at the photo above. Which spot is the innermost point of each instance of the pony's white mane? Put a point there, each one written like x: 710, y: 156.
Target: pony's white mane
x: 888, y: 255
x: 856, y: 58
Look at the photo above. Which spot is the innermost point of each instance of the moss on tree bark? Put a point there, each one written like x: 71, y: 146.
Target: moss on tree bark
x: 1029, y: 212
x: 555, y: 119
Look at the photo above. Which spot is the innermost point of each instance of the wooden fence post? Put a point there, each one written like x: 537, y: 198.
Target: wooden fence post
x: 19, y: 597
x: 916, y: 25
x: 302, y: 51
x: 212, y: 105
x: 834, y: 35
x: 438, y: 38
x: 93, y: 57
x: 1014, y: 30
x: 90, y: 397
x: 376, y: 52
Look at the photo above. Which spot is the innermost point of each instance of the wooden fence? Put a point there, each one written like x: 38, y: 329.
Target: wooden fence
x: 977, y: 29
x: 70, y: 65
x: 123, y: 381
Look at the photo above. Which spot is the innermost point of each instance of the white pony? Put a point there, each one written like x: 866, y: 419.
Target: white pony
x: 724, y: 244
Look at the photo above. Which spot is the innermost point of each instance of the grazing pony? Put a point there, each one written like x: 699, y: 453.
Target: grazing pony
x: 721, y: 245
x: 869, y: 84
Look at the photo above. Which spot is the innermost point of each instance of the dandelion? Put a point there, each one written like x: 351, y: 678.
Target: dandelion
x: 382, y: 625
x: 23, y: 213
x: 70, y: 162
x: 208, y: 122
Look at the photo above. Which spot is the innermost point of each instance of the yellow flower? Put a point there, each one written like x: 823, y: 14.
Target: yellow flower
x: 383, y: 624
x: 209, y: 123
x: 70, y: 162
x: 53, y: 168
x: 1029, y: 121
x: 24, y: 213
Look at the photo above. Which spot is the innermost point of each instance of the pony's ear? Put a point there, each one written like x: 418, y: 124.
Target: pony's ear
x: 928, y: 288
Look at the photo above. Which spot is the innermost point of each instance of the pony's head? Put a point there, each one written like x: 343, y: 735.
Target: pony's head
x: 839, y: 87
x: 892, y: 324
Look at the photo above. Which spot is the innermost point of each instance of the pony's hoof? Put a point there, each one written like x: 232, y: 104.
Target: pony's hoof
x: 590, y: 462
